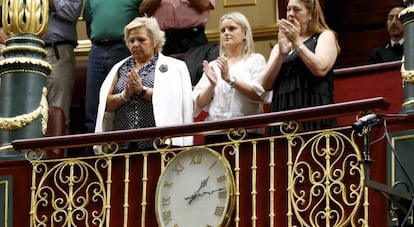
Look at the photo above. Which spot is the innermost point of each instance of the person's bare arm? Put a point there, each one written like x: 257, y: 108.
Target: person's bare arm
x: 113, y: 101
x: 205, y: 97
x: 320, y: 62
x: 275, y: 61
x: 326, y: 52
x: 148, y: 7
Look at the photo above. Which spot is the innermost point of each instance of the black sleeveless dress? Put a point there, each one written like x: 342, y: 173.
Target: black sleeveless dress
x: 296, y: 87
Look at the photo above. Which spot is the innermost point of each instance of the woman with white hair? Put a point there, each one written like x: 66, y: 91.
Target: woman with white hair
x: 146, y: 89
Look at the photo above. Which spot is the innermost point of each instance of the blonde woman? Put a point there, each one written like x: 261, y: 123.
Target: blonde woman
x: 230, y: 85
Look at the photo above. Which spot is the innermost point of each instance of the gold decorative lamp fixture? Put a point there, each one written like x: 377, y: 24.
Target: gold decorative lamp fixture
x: 23, y: 72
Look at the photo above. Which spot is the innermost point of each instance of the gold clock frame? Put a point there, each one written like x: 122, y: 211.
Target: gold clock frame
x: 230, y: 182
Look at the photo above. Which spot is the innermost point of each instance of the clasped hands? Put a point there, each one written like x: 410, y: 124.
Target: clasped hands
x: 288, y: 35
x: 133, y: 84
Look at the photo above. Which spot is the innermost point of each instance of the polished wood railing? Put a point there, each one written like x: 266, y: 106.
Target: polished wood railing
x: 312, y: 113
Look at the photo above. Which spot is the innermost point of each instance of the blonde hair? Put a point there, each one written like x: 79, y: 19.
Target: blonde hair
x: 151, y: 25
x: 241, y: 20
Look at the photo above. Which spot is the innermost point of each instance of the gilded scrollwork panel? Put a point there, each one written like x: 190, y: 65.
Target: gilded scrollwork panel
x: 326, y: 183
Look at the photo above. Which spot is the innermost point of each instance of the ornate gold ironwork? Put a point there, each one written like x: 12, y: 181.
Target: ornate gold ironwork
x: 20, y: 121
x: 317, y: 190
x: 325, y: 181
x: 74, y: 190
x: 108, y: 148
x: 236, y: 134
x: 162, y: 143
x: 20, y: 16
x: 33, y: 155
x: 289, y: 127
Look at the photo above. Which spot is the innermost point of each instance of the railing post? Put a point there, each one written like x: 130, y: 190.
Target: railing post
x: 23, y: 72
x: 407, y: 68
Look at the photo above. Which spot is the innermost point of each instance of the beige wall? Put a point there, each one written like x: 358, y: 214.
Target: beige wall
x: 261, y: 14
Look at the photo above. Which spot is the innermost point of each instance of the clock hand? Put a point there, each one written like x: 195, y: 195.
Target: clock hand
x: 197, y: 194
x: 212, y: 191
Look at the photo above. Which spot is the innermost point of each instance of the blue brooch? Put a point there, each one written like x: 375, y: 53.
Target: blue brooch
x: 164, y: 68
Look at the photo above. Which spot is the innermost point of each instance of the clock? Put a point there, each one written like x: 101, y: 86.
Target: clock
x: 196, y: 188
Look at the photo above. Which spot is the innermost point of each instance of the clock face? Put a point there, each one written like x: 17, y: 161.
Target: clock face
x: 195, y: 189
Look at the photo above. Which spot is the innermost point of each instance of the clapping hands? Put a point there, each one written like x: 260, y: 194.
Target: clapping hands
x: 289, y: 32
x: 210, y: 73
x: 222, y: 64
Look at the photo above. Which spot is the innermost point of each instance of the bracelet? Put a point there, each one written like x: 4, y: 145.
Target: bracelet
x: 300, y: 48
x: 143, y: 91
x: 231, y: 81
x: 122, y: 96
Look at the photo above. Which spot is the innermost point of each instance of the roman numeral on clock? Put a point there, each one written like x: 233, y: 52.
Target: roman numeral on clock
x: 222, y: 178
x: 165, y: 201
x: 196, y: 158
x: 178, y: 168
x: 166, y: 217
x: 219, y: 211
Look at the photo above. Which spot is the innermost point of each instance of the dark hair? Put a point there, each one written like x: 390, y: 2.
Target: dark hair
x: 395, y: 5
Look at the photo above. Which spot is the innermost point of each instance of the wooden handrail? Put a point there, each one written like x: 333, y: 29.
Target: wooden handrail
x: 304, y: 114
x: 367, y: 68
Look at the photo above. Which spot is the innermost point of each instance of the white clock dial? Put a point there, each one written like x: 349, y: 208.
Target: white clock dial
x: 195, y: 189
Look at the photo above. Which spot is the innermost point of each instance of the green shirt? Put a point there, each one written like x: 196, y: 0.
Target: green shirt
x: 108, y: 18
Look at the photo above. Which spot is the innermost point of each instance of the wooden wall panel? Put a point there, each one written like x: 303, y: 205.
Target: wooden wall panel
x: 363, y: 28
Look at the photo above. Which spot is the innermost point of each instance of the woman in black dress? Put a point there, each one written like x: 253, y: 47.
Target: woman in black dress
x: 300, y: 66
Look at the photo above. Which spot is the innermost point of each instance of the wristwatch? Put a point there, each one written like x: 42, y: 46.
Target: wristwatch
x: 143, y: 91
x: 231, y: 81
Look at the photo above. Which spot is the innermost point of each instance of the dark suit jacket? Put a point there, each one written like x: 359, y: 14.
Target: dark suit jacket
x: 384, y: 54
x: 194, y: 59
